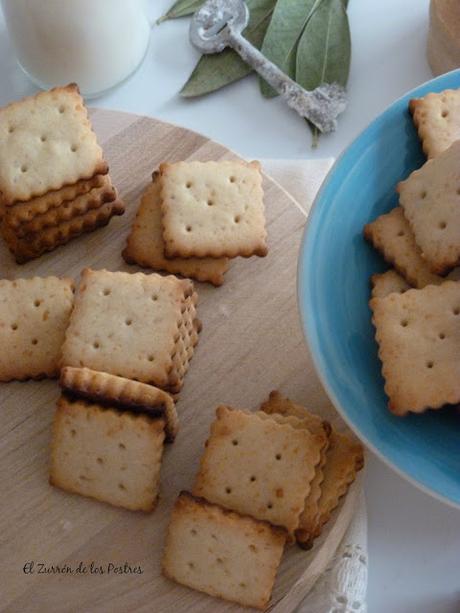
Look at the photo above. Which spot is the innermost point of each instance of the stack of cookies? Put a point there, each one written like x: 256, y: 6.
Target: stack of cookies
x: 195, y: 216
x: 137, y: 326
x: 128, y: 336
x: 340, y: 460
x: 265, y: 478
x: 418, y: 330
x: 53, y: 177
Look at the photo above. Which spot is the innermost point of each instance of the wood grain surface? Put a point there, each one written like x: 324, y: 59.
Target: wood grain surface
x: 251, y: 343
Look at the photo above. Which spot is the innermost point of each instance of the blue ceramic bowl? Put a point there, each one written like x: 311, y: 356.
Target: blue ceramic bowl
x: 335, y: 264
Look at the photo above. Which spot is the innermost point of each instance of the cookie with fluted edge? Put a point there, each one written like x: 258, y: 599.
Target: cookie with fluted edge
x: 430, y: 198
x: 219, y: 552
x: 127, y: 324
x: 25, y: 249
x: 258, y: 467
x: 189, y: 329
x: 46, y: 143
x: 387, y: 283
x: 24, y: 212
x: 212, y: 209
x: 392, y: 236
x: 182, y: 360
x: 437, y: 119
x: 34, y: 314
x: 122, y: 394
x: 112, y: 456
x: 418, y: 334
x: 344, y: 458
x: 69, y: 209
x: 145, y: 245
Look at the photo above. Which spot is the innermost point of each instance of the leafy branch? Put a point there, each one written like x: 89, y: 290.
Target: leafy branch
x: 308, y: 39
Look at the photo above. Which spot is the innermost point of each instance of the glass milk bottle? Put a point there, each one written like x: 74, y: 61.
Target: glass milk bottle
x: 94, y: 43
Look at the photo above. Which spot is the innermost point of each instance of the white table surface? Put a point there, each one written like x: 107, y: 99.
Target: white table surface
x: 414, y: 540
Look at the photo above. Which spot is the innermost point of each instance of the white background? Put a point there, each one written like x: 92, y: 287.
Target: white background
x: 414, y: 541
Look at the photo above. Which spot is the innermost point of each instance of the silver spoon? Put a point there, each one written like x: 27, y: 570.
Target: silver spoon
x: 219, y: 23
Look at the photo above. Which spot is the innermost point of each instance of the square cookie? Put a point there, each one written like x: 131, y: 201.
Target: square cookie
x: 437, y: 119
x: 258, y: 467
x: 127, y: 324
x: 221, y: 553
x: 212, y: 209
x: 46, y: 142
x: 122, y: 394
x: 430, y: 198
x: 418, y: 333
x: 34, y: 314
x: 104, y: 454
x: 392, y: 236
x: 145, y: 245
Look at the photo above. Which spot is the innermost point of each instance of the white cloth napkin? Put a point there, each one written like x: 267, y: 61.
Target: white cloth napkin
x: 342, y: 587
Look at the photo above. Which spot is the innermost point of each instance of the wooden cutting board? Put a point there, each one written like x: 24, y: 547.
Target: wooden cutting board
x: 251, y: 343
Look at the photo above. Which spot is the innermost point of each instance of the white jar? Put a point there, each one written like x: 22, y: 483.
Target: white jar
x: 95, y: 43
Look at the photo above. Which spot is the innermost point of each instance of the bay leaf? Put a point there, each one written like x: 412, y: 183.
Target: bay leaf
x: 215, y: 71
x: 280, y: 43
x: 324, y: 49
x: 181, y: 8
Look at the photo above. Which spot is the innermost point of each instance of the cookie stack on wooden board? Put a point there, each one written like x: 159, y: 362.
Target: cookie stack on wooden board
x: 418, y: 330
x: 195, y: 216
x: 141, y: 327
x: 54, y: 182
x: 341, y: 458
x: 266, y: 478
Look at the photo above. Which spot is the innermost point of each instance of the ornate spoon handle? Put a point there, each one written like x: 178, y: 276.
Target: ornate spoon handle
x: 220, y: 23
x: 320, y: 106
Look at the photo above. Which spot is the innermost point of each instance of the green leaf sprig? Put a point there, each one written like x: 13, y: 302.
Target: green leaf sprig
x: 280, y: 43
x: 215, y: 71
x: 308, y: 39
x: 324, y: 50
